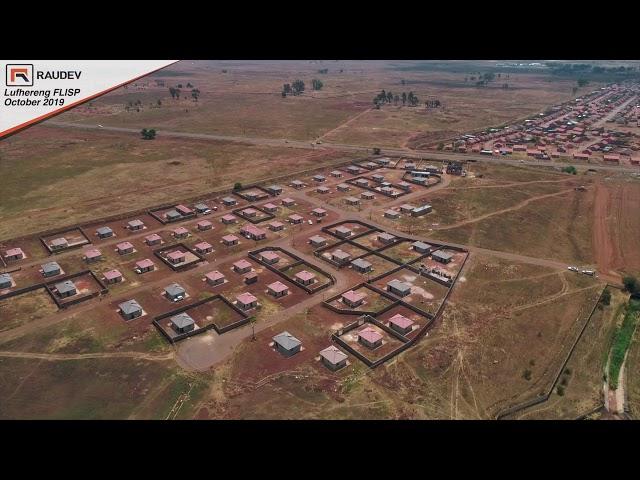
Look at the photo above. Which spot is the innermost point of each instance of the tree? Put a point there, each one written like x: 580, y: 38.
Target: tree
x: 148, y: 134
x: 404, y: 98
x: 606, y: 297
x: 195, y: 93
x: 389, y: 97
x: 631, y: 284
x: 376, y: 151
x: 297, y: 87
x: 316, y: 84
x: 570, y: 169
x: 237, y: 186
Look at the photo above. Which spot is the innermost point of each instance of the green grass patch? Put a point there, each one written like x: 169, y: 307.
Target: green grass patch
x: 622, y: 340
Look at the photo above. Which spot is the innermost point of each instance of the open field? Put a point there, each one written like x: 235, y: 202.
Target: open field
x: 55, y: 177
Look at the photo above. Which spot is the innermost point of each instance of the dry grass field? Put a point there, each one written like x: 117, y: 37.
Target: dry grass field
x: 53, y: 177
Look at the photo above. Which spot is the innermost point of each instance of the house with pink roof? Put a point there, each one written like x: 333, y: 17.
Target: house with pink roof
x: 14, y: 254
x: 353, y: 299
x: 145, y: 265
x: 278, y: 289
x: 112, y: 276
x: 270, y: 207
x: 253, y: 232
x: 203, y: 247
x: 401, y: 324
x: 204, y: 225
x: 319, y: 212
x: 176, y: 257
x: 124, y: 247
x: 246, y: 301
x: 370, y: 337
x: 153, y: 239
x: 242, y: 266
x: 230, y: 240
x: 270, y: 257
x: 304, y: 277
x: 92, y: 255
x: 276, y: 226
x: 214, y: 278
x: 181, y: 232
x: 228, y: 219
x: 295, y: 219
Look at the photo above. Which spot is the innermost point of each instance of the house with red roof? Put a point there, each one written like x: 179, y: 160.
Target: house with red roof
x: 145, y: 265
x: 181, y: 232
x: 242, y: 266
x: 253, y: 232
x: 153, y: 239
x: 270, y: 257
x: 304, y: 277
x: 124, y: 248
x: 214, y: 278
x: 176, y: 257
x: 14, y: 254
x: 92, y: 255
x: 353, y: 299
x: 228, y: 219
x: 204, y: 225
x: 112, y: 276
x: 230, y: 240
x: 203, y: 247
x: 401, y: 324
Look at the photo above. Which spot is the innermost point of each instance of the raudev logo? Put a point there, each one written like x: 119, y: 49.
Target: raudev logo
x: 19, y: 75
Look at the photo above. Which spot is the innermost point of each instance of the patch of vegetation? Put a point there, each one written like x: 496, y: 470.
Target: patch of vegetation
x: 148, y: 133
x: 570, y: 169
x: 622, y: 340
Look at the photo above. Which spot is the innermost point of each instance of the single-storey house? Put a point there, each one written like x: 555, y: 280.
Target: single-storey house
x: 378, y: 178
x: 353, y: 299
x: 404, y: 186
x: 370, y: 337
x: 214, y: 278
x: 343, y: 187
x: 130, y: 309
x: 203, y: 247
x: 5, y: 280
x: 322, y: 190
x: 361, y: 182
x: 172, y: 215
x: 242, y: 266
x: 66, y: 289
x: 202, y: 208
x: 353, y: 169
x: 230, y: 240
x: 297, y: 184
x: 336, y: 173
x: 246, y: 301
x: 229, y: 201
x: 249, y: 212
x: 367, y: 196
x: 51, y: 269
x: 144, y: 266
x: 183, y: 210
x: 288, y: 202
x: 319, y: 178
x: 14, y: 254
x: 343, y: 232
x: 270, y: 207
x: 253, y: 232
x: 276, y: 226
x: 124, y: 248
x: 319, y: 212
x: 317, y: 241
x: 251, y: 277
x: 278, y: 289
x: 442, y: 256
x: 176, y: 257
x: 181, y: 232
x: 421, y: 247
x: 270, y: 257
x: 333, y: 358
x: 287, y: 344
x: 182, y: 323
x: 352, y: 201
x: 153, y: 239
x: 274, y: 189
x: 407, y: 208
x: 92, y: 255
x: 174, y: 292
x: 361, y: 265
x: 340, y: 256
x: 112, y: 276
x: 135, y: 225
x: 399, y: 288
x: 104, y: 232
x: 416, y: 212
x: 391, y: 214
x: 253, y: 195
x: 295, y: 218
x: 59, y: 243
x: 386, y: 238
x: 228, y: 219
x: 204, y: 225
x: 401, y: 324
x: 304, y: 277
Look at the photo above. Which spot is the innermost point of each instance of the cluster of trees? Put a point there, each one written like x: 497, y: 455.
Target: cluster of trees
x: 148, y: 134
x: 323, y: 71
x: 631, y: 285
x: 175, y: 92
x: 570, y: 169
x: 482, y: 79
x: 316, y: 84
x: 295, y: 88
x: 388, y: 97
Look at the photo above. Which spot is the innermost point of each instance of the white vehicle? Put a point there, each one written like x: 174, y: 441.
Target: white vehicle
x: 310, y: 222
x: 177, y: 299
x: 137, y: 270
x: 573, y: 269
x: 206, y: 212
x: 591, y: 273
x: 100, y: 126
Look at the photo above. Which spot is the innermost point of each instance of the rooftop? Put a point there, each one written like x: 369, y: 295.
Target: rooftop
x: 287, y: 341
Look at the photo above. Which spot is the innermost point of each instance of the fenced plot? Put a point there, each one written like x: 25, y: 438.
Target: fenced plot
x: 65, y: 240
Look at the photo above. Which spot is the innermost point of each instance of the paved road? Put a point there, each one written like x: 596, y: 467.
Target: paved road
x: 406, y: 152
